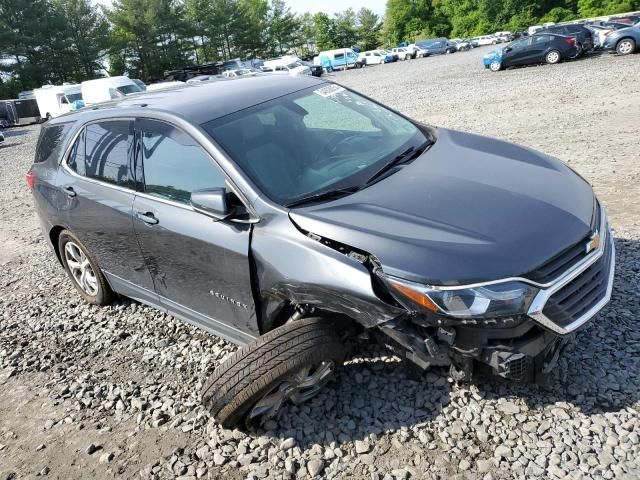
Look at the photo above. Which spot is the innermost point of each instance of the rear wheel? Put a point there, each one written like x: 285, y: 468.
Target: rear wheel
x: 83, y: 270
x: 578, y: 53
x: 626, y: 46
x: 291, y: 363
x: 553, y: 57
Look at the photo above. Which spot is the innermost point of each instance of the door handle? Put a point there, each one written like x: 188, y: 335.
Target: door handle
x: 147, y: 217
x: 69, y: 191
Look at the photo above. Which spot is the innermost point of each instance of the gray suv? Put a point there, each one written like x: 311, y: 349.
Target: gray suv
x: 286, y: 214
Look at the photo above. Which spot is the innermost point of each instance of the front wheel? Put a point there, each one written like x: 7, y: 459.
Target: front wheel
x: 495, y: 66
x: 626, y: 46
x: 291, y: 363
x: 553, y: 57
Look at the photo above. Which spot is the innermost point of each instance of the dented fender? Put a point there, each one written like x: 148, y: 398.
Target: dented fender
x: 290, y: 267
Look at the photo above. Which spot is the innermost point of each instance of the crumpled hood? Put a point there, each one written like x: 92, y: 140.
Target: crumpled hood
x: 470, y: 209
x: 492, y: 55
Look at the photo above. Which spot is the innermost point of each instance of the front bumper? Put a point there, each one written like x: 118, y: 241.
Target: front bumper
x: 524, y: 347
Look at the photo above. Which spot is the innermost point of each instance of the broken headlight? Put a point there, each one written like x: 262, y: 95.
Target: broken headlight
x: 494, y: 300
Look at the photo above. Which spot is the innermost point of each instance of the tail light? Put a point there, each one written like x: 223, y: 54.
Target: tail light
x: 31, y: 179
x: 570, y: 40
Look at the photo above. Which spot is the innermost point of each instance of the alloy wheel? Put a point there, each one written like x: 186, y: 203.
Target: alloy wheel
x: 625, y: 47
x: 298, y: 388
x: 553, y: 57
x: 495, y: 66
x: 80, y: 268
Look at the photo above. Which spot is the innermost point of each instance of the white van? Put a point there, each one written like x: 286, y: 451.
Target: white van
x: 105, y: 89
x: 54, y: 100
x: 339, y: 58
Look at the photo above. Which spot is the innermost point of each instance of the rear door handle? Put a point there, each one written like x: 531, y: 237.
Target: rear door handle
x: 147, y: 217
x: 69, y: 191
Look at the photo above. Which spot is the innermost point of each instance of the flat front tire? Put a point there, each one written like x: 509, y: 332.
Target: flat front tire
x: 290, y: 363
x: 83, y: 270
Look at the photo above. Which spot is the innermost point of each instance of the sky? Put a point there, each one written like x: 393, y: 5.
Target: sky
x: 314, y: 6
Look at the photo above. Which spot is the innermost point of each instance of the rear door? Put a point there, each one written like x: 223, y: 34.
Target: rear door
x: 200, y: 266
x: 98, y: 184
x: 536, y: 52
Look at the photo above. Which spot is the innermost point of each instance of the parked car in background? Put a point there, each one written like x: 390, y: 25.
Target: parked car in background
x: 504, y: 37
x: 340, y: 58
x: 373, y: 57
x: 241, y: 72
x: 153, y: 87
x: 485, y: 40
x: 402, y: 53
x: 109, y: 88
x: 533, y: 29
x: 436, y: 46
x: 628, y: 19
x: 205, y: 78
x: 624, y: 41
x: 56, y: 100
x: 289, y: 214
x: 548, y: 48
x: 388, y: 55
x: 20, y: 111
x: 418, y: 52
x: 285, y: 67
x: 583, y: 35
x: 1, y: 137
x: 462, y: 45
x: 316, y: 70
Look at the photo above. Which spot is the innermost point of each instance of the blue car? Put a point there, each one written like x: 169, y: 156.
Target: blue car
x: 493, y: 60
x: 623, y: 41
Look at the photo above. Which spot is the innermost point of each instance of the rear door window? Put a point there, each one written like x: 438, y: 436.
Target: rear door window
x: 51, y: 141
x: 174, y: 164
x: 108, y: 154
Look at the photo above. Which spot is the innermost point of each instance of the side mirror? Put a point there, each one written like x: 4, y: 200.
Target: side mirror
x: 211, y: 202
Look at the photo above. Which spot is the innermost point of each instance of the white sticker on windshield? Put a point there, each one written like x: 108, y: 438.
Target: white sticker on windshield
x: 329, y: 90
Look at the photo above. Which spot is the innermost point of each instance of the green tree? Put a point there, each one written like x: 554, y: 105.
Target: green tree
x: 282, y: 28
x: 368, y: 29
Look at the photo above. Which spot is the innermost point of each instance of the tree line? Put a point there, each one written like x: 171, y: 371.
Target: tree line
x: 56, y: 41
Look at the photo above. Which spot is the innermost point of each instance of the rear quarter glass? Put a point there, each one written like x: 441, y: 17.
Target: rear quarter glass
x: 51, y: 142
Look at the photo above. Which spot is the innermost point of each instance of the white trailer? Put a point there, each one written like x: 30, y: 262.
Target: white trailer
x: 55, y: 100
x: 109, y: 88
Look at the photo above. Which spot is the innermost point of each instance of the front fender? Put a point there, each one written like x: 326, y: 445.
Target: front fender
x: 292, y: 268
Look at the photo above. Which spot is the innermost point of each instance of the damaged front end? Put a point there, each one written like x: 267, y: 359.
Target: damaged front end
x: 514, y: 328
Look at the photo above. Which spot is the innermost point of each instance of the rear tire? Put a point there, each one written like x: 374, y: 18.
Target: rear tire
x: 626, y: 46
x: 553, y: 57
x: 251, y: 385
x: 83, y: 270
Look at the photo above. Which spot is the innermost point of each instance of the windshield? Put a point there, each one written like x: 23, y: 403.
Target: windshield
x: 312, y: 141
x: 128, y: 89
x: 72, y: 97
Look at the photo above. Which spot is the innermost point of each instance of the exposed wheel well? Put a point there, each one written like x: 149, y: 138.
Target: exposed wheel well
x: 54, y: 235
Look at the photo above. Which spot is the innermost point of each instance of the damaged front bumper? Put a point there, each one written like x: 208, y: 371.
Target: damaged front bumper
x: 522, y: 348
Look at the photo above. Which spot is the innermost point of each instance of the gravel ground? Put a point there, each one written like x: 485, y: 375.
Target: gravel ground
x: 113, y: 392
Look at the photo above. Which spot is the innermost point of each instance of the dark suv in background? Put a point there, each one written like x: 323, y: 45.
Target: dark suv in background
x: 284, y: 214
x: 584, y: 36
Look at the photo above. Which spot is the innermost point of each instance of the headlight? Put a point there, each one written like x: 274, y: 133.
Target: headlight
x: 495, y: 300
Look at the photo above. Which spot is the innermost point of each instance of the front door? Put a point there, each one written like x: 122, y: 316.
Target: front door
x: 200, y: 266
x: 97, y: 183
x: 515, y: 53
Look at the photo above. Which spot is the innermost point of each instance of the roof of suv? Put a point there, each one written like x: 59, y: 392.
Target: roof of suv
x: 202, y: 102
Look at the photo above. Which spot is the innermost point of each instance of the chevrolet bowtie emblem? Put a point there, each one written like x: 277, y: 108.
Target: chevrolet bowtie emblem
x: 594, y: 242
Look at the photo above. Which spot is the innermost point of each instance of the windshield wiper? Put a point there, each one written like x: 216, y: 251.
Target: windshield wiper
x: 409, y: 154
x: 326, y: 195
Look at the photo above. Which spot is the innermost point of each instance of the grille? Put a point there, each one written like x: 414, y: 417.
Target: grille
x: 581, y: 294
x: 552, y: 269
